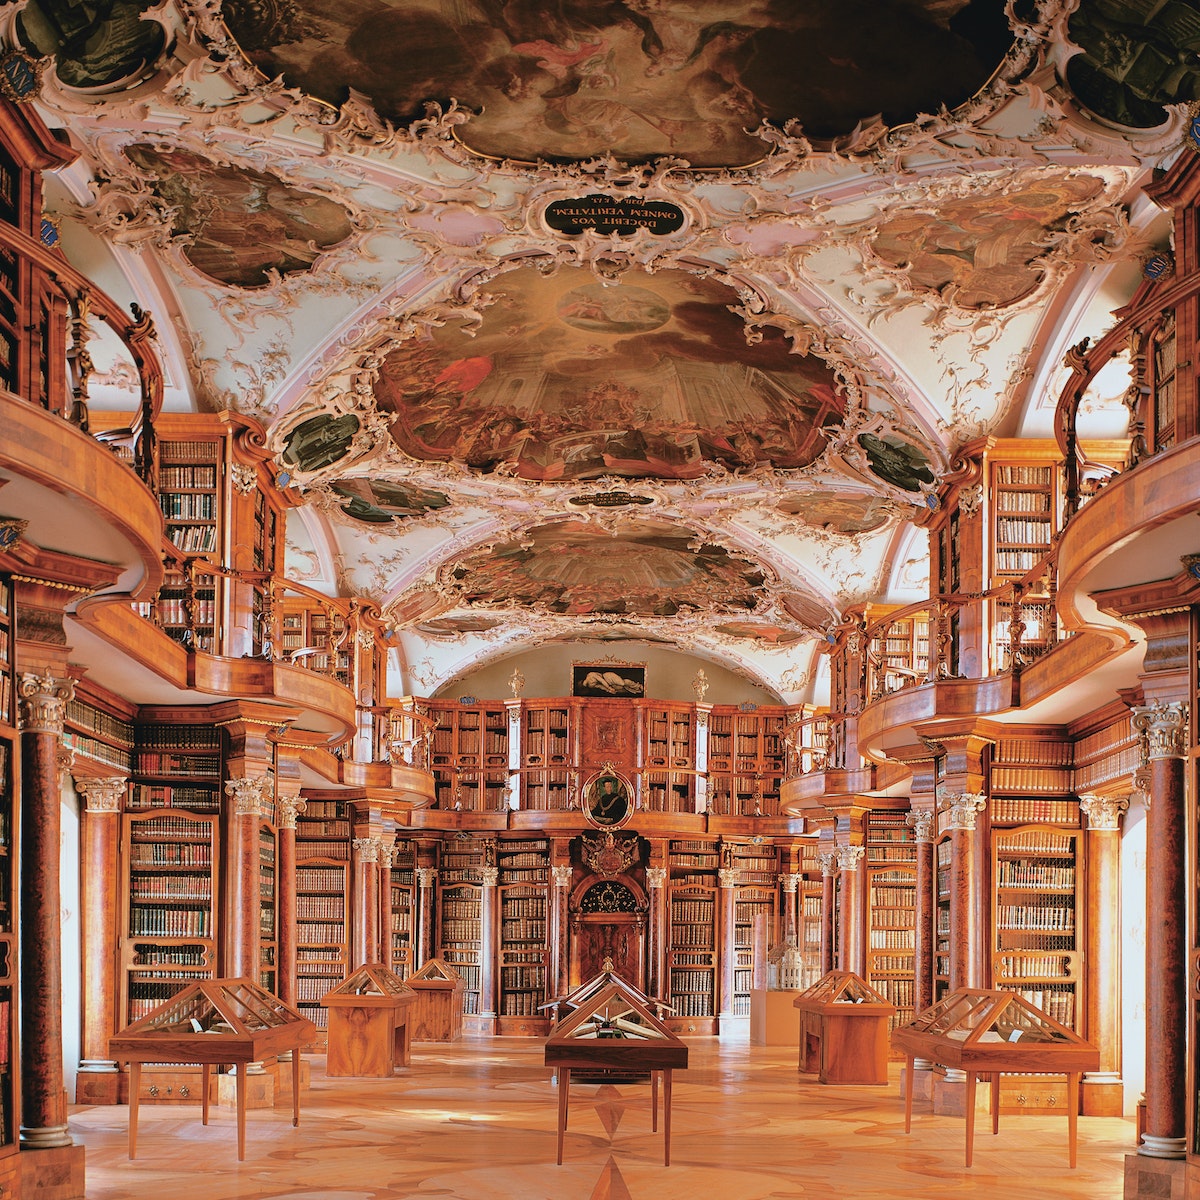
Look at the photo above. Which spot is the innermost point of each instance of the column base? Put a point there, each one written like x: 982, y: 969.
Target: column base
x: 1154, y: 1178
x: 47, y: 1137
x: 1162, y: 1147
x: 949, y: 1095
x: 98, y: 1082
x: 53, y: 1174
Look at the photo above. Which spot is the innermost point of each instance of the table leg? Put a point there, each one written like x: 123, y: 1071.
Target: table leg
x: 653, y: 1101
x: 908, y: 1091
x: 241, y: 1109
x: 205, y: 1068
x: 296, y: 1086
x: 996, y: 1102
x: 971, y: 1081
x: 667, y: 1117
x: 1072, y: 1114
x: 135, y: 1087
x: 564, y: 1086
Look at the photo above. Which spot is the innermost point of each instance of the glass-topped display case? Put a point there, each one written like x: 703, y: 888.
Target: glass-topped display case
x: 369, y: 1028
x: 844, y: 1029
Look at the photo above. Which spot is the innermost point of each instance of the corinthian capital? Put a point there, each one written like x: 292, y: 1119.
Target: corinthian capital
x: 961, y: 810
x: 426, y: 877
x: 1102, y: 812
x: 287, y: 808
x: 561, y: 876
x: 656, y: 877
x: 791, y: 884
x: 251, y: 795
x: 921, y: 822
x: 848, y: 857
x: 102, y: 795
x: 490, y: 876
x: 367, y: 849
x: 828, y: 863
x: 44, y: 702
x: 1163, y: 728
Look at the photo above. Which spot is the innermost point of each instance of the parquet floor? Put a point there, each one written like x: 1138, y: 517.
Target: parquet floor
x: 476, y: 1120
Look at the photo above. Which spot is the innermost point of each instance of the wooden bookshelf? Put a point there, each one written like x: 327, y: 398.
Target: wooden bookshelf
x: 14, y: 183
x: 8, y: 681
x: 323, y: 834
x: 746, y: 759
x: 900, y: 653
x: 101, y: 736
x: 460, y: 880
x: 809, y: 903
x: 9, y: 929
x: 1038, y: 936
x: 891, y: 866
x: 168, y: 929
x: 524, y: 872
x: 943, y: 861
x: 549, y: 740
x: 176, y: 766
x: 403, y: 907
x: 692, y: 954
x: 268, y: 912
x: 317, y: 638
x: 470, y: 755
x: 751, y: 903
x: 668, y: 757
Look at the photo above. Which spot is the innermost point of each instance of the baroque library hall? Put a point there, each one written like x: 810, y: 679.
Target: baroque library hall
x: 465, y: 681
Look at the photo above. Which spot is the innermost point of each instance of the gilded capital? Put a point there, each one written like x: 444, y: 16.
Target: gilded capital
x: 44, y: 702
x: 656, y: 877
x: 561, y: 876
x: 387, y: 853
x: 828, y: 862
x: 251, y: 795
x: 1103, y: 812
x: 848, y: 857
x: 728, y: 877
x: 791, y: 884
x: 367, y: 849
x: 921, y: 822
x: 102, y: 795
x: 1163, y: 728
x: 961, y: 810
x: 287, y: 808
x: 426, y: 877
x: 490, y: 876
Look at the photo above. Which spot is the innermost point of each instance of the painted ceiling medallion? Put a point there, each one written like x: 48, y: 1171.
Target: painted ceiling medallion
x: 379, y: 502
x: 983, y: 252
x: 839, y: 513
x: 567, y: 378
x: 579, y: 80
x: 243, y: 226
x: 646, y: 570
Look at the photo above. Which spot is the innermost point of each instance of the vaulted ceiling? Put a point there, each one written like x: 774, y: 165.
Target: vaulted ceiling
x: 613, y: 321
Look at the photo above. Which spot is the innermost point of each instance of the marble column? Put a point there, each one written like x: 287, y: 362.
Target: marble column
x: 967, y: 940
x: 559, y: 974
x: 426, y: 944
x: 489, y: 949
x: 387, y: 850
x: 852, y: 953
x: 658, y: 984
x: 287, y: 806
x: 923, y: 825
x: 1102, y: 1091
x: 252, y: 799
x: 43, y: 704
x: 1164, y: 728
x: 365, y: 889
x: 828, y: 864
x: 727, y: 879
x: 100, y: 834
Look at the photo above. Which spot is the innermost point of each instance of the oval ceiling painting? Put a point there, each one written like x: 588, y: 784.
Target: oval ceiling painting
x: 839, y: 513
x: 378, y: 502
x: 632, y: 78
x: 568, y: 379
x: 646, y: 570
x: 242, y: 226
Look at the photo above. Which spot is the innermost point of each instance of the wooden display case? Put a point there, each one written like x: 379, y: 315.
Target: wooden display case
x: 989, y: 1032
x: 369, y: 1029
x: 437, y: 1015
x: 614, y: 1030
x: 216, y: 1023
x: 844, y: 1030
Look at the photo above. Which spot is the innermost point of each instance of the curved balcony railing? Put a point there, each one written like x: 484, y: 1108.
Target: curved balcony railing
x: 53, y: 365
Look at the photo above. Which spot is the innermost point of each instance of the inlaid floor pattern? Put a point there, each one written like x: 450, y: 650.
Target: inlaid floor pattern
x: 476, y: 1120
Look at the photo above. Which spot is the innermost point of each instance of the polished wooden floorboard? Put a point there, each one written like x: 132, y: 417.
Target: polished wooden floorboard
x: 477, y: 1120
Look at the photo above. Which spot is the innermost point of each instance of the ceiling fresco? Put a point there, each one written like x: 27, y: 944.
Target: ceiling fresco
x: 241, y: 225
x: 569, y: 378
x: 647, y: 569
x: 838, y: 240
x: 983, y: 252
x: 584, y: 78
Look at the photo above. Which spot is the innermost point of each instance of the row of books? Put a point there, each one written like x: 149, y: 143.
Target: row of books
x: 168, y: 854
x: 460, y: 932
x: 157, y: 795
x: 1018, y: 874
x: 1032, y: 966
x: 170, y: 922
x: 892, y: 963
x: 691, y: 912
x: 689, y: 980
x: 893, y: 897
x: 148, y: 762
x: 892, y: 939
x: 522, y: 1004
x: 173, y: 477
x: 193, y: 539
x: 171, y: 887
x: 524, y: 906
x: 320, y: 908
x: 515, y: 978
x: 321, y: 879
x: 893, y: 918
x: 1056, y: 918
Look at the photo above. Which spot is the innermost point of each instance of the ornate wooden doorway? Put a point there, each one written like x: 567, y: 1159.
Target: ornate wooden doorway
x: 608, y: 925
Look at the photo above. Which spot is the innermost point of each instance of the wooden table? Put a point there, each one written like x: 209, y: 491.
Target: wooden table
x: 658, y: 1058
x: 209, y: 1049
x: 989, y: 1059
